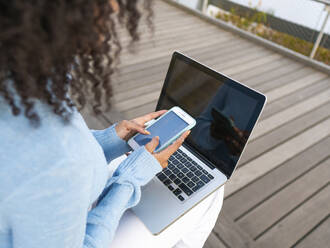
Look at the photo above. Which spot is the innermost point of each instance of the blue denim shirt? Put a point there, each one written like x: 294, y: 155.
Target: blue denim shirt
x: 51, y: 175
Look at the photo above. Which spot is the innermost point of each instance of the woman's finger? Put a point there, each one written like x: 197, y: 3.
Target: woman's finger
x: 134, y: 127
x: 167, y: 152
x: 151, y: 146
x: 148, y: 117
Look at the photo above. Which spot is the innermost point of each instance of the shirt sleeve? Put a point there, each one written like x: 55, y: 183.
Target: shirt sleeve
x: 58, y: 217
x: 113, y: 146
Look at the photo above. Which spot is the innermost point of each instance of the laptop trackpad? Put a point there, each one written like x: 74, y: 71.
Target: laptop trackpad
x: 158, y: 206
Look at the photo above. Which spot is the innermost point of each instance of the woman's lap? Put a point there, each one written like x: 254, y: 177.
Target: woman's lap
x: 191, y: 230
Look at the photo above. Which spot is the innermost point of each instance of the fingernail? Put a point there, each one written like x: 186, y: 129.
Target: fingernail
x: 147, y: 132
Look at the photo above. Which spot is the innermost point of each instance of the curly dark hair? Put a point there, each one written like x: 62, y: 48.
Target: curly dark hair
x: 63, y: 52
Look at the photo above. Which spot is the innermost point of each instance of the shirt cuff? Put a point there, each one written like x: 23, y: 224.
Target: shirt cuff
x: 113, y: 146
x: 139, y: 167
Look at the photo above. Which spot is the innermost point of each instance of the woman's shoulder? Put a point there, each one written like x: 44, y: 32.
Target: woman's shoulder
x: 54, y: 150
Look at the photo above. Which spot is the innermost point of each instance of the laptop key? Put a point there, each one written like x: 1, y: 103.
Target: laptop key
x: 190, y: 184
x: 177, y: 191
x: 180, y: 166
x: 178, y: 156
x: 199, y: 167
x: 204, y: 178
x: 195, y: 179
x: 180, y: 175
x: 172, y: 177
x: 190, y: 174
x: 193, y: 168
x: 185, y: 179
x: 184, y: 170
x: 167, y: 172
x: 161, y: 177
x: 181, y: 198
x: 210, y: 176
x: 177, y: 181
x: 195, y: 188
x: 188, y: 164
x: 167, y: 182
x: 171, y: 166
x: 176, y: 171
x: 200, y: 184
x: 185, y: 189
x: 170, y: 188
x: 175, y: 162
x: 198, y: 173
x: 183, y: 160
x: 205, y: 171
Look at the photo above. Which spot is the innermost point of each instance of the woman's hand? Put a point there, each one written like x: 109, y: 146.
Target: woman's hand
x: 127, y: 129
x: 165, y: 154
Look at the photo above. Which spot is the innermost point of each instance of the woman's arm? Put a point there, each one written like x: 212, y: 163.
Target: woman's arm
x: 53, y: 211
x: 113, y: 140
x: 113, y: 146
x: 123, y: 191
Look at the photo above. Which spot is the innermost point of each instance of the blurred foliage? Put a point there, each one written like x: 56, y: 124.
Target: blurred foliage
x: 256, y: 23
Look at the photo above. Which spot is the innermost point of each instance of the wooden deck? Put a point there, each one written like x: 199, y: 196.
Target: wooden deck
x: 280, y: 195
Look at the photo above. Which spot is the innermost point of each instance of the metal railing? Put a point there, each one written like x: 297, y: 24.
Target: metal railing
x: 320, y: 39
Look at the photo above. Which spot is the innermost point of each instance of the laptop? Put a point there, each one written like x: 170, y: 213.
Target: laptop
x: 226, y: 112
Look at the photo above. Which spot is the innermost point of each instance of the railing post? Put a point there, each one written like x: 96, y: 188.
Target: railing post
x: 205, y: 4
x: 319, y: 37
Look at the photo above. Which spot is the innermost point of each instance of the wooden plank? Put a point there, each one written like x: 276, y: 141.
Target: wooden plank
x: 267, y: 68
x: 152, y: 78
x: 179, y: 35
x: 214, y: 242
x: 240, y: 62
x: 179, y: 44
x: 241, y: 203
x: 279, y: 135
x: 294, y: 98
x: 157, y: 65
x: 289, y: 114
x: 136, y: 101
x: 201, y: 52
x: 279, y: 205
x: 317, y: 238
x: 263, y: 78
x: 138, y: 91
x: 252, y: 64
x: 141, y: 110
x: 231, y: 233
x: 270, y: 160
x: 300, y: 222
x: 265, y: 86
x: 294, y: 86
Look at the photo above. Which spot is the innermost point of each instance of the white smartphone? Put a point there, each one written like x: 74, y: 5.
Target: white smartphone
x: 168, y: 127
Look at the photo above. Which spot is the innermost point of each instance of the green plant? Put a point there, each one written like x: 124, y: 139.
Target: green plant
x: 257, y: 25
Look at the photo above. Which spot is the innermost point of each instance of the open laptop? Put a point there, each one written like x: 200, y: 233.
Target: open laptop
x: 226, y: 112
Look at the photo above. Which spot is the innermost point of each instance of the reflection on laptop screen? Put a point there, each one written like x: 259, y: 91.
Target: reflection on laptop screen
x: 225, y: 111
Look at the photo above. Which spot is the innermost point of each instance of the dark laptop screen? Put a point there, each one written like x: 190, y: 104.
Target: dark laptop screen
x: 225, y: 111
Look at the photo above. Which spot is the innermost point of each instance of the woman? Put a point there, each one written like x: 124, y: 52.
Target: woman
x: 56, y: 56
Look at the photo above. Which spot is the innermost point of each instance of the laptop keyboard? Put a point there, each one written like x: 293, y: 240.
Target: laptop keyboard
x: 183, y: 175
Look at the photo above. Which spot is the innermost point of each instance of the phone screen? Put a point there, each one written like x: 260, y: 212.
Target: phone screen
x: 166, y: 128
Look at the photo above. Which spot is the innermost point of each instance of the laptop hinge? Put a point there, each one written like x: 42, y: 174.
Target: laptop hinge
x: 201, y: 157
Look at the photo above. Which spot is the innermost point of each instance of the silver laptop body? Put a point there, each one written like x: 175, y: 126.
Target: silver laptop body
x: 226, y: 113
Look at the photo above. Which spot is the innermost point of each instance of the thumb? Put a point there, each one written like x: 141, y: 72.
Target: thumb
x: 151, y: 146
